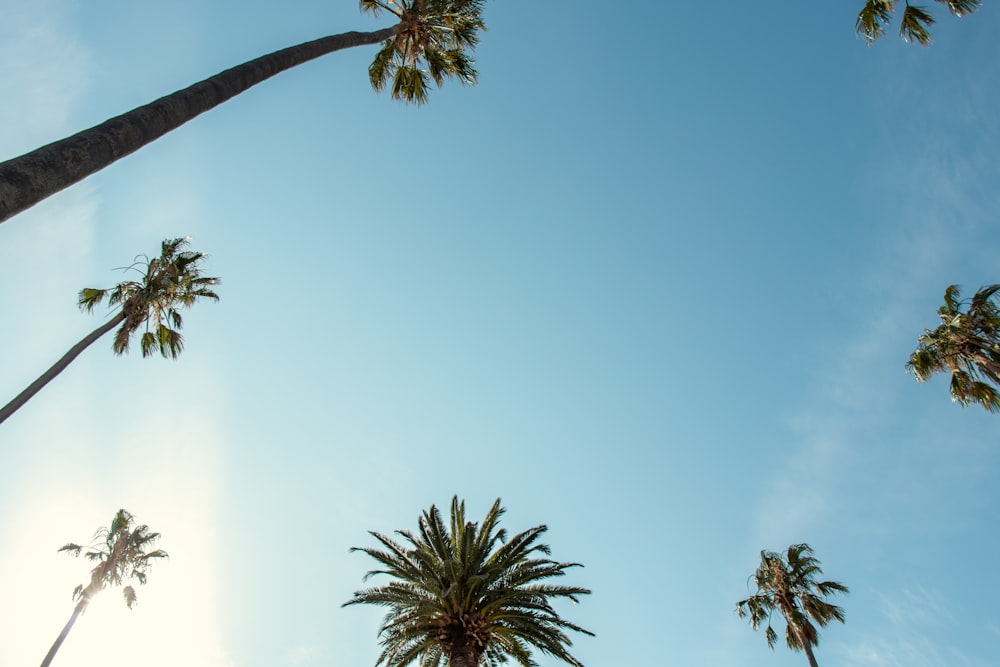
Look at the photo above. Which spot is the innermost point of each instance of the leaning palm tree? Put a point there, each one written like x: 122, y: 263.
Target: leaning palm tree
x: 122, y: 553
x: 789, y: 585
x: 168, y: 282
x: 914, y: 24
x: 966, y: 344
x: 465, y: 595
x: 431, y: 40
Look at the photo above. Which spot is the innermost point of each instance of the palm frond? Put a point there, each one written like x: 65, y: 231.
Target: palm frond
x: 873, y: 18
x: 962, y: 7
x: 913, y: 27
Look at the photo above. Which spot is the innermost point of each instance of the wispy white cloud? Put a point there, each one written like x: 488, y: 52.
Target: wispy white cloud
x: 917, y: 618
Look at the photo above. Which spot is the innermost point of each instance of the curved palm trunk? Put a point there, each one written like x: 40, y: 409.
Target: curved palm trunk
x: 30, y: 178
x: 81, y: 605
x: 58, y: 367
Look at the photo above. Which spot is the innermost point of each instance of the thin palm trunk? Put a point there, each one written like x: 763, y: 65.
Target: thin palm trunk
x: 809, y: 652
x: 30, y: 178
x: 59, y: 366
x: 81, y: 605
x: 787, y: 607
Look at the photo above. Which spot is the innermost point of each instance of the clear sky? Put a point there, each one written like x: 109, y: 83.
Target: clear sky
x: 653, y: 283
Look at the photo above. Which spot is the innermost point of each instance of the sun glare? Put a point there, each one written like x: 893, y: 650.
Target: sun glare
x: 176, y: 615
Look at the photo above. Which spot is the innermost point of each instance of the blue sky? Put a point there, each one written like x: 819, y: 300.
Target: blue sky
x: 652, y: 282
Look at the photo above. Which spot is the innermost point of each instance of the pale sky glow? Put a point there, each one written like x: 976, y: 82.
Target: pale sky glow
x: 653, y: 283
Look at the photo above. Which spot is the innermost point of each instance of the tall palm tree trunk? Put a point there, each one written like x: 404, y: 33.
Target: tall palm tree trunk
x: 59, y: 367
x: 30, y: 178
x: 81, y: 605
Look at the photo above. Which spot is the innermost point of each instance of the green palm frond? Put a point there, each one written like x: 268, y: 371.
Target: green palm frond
x: 461, y: 586
x: 962, y: 7
x: 913, y: 27
x: 90, y: 297
x: 873, y: 18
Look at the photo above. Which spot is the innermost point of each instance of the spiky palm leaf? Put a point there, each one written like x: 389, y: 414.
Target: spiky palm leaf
x: 965, y: 344
x: 787, y: 584
x: 432, y: 43
x: 169, y: 282
x: 464, y: 595
x: 914, y: 23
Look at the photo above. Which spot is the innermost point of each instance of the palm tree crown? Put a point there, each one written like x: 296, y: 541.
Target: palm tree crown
x: 168, y: 282
x: 464, y: 594
x: 789, y: 585
x: 434, y: 39
x: 120, y: 551
x: 966, y: 344
x: 913, y: 27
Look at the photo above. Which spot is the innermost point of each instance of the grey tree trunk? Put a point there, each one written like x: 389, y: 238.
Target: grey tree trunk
x: 58, y: 367
x: 30, y: 178
x: 81, y: 605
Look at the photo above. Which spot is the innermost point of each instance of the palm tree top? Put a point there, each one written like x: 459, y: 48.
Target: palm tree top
x: 787, y: 583
x: 463, y: 594
x: 966, y: 344
x: 121, y: 552
x: 169, y: 282
x: 432, y: 39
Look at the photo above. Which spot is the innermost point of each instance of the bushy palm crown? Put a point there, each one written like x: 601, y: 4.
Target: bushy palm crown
x: 432, y: 40
x: 168, y: 282
x: 463, y: 594
x: 789, y: 585
x: 121, y: 553
x: 914, y: 24
x: 966, y: 344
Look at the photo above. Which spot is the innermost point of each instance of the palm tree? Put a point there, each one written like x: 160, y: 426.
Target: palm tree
x: 168, y: 282
x: 913, y: 27
x: 789, y: 586
x: 431, y: 40
x: 464, y: 594
x: 967, y: 344
x: 121, y: 552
